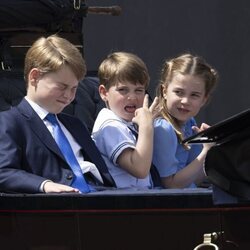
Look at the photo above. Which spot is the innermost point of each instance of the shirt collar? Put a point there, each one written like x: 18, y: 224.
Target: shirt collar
x: 38, y: 109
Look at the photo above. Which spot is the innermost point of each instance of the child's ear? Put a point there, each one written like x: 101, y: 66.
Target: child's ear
x: 103, y: 93
x: 33, y: 76
x: 164, y: 90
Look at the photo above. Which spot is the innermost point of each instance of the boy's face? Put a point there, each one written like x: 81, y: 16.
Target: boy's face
x: 123, y: 98
x: 52, y: 91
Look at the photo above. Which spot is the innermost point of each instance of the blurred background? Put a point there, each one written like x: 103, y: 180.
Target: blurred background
x: 218, y: 30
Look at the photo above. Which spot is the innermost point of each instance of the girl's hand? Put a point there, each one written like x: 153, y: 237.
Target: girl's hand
x: 201, y: 128
x: 204, y: 126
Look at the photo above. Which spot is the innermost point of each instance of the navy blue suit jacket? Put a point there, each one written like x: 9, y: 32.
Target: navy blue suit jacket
x: 29, y: 155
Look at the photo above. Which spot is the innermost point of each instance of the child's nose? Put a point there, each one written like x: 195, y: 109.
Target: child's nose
x: 131, y: 95
x: 184, y: 99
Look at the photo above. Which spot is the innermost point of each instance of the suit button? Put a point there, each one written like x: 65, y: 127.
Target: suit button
x: 69, y: 177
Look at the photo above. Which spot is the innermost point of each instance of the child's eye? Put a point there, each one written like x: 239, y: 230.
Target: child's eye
x: 178, y: 92
x: 196, y: 95
x: 122, y: 90
x: 62, y: 87
x: 139, y: 90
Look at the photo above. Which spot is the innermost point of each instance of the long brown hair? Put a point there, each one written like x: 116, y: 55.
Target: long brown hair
x: 185, y: 64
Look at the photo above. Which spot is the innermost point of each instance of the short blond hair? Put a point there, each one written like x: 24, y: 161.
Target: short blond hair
x: 51, y: 53
x: 121, y: 67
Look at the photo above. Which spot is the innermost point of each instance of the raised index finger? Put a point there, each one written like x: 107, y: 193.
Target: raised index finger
x: 145, y: 101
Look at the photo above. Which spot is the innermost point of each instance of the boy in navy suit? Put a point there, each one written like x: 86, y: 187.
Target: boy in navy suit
x: 30, y: 159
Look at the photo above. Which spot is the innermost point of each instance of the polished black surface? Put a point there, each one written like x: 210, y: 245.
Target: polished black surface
x: 174, y: 219
x: 110, y: 199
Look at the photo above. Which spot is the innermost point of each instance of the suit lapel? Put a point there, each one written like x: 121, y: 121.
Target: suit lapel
x: 78, y: 132
x: 82, y: 136
x: 38, y: 127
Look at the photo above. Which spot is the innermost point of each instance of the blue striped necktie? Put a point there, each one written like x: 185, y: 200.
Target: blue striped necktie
x: 79, y: 181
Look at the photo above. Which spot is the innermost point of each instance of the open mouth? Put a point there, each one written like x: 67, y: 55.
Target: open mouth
x: 130, y: 108
x: 182, y: 110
